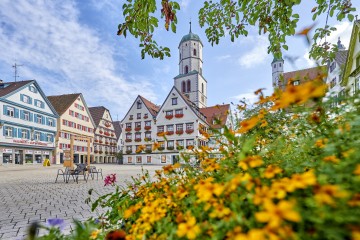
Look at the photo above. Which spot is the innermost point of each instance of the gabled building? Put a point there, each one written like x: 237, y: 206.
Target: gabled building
x: 351, y: 76
x: 28, y: 122
x: 75, y: 120
x: 181, y: 122
x: 335, y: 70
x: 105, y: 138
x: 138, y: 127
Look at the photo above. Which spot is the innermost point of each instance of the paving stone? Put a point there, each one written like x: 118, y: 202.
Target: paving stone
x: 29, y: 193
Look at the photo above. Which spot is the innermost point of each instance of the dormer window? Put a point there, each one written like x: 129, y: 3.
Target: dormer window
x: 296, y: 82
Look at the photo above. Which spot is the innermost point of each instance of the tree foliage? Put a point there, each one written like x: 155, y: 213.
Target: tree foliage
x: 275, y: 19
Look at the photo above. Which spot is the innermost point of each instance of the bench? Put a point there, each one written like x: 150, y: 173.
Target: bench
x: 74, y: 173
x: 93, y: 171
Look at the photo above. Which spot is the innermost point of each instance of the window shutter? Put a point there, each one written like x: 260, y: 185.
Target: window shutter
x: 22, y: 97
x: 43, y: 120
x: 30, y: 100
x: 28, y: 134
x: 19, y: 133
x: 5, y: 110
x: 35, y: 118
x: 42, y: 137
x: 4, y: 131
x: 31, y: 117
x: 16, y: 113
x: 42, y: 105
x: 52, y: 138
x: 14, y: 132
x: 22, y: 114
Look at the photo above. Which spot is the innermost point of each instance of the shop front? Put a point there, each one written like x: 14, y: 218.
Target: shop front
x: 20, y: 155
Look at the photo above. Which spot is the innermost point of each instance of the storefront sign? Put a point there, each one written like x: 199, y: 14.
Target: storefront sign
x: 29, y: 151
x: 37, y: 152
x: 46, y: 153
x: 7, y: 150
x: 22, y: 141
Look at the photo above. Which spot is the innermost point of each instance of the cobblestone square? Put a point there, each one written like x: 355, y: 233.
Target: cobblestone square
x: 29, y: 193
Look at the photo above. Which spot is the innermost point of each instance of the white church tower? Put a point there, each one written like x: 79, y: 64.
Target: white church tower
x: 277, y: 72
x: 190, y: 80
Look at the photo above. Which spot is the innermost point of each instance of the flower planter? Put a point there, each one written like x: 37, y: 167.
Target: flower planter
x: 179, y: 148
x: 106, y: 152
x: 179, y: 115
x: 107, y: 124
x: 137, y: 128
x: 161, y: 148
x: 170, y: 148
x: 168, y: 117
x: 128, y: 140
x: 179, y: 132
x: 96, y: 151
x: 106, y: 134
x: 147, y: 139
x: 127, y: 129
x: 160, y: 134
x: 106, y: 142
x: 147, y: 127
x: 96, y: 140
x: 148, y: 151
x: 100, y: 152
x: 101, y: 132
x: 100, y: 141
x: 170, y: 133
x: 189, y: 131
x: 128, y: 151
x: 145, y: 117
x: 137, y: 139
x: 112, y: 134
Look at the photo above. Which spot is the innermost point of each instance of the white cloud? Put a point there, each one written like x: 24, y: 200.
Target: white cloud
x: 184, y: 3
x: 64, y: 55
x: 223, y: 57
x: 249, y: 97
x: 258, y: 53
x: 343, y: 30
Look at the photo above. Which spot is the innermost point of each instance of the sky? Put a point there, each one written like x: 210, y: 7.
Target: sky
x: 71, y: 46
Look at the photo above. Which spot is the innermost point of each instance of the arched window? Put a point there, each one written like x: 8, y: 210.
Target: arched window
x: 186, y: 69
x: 279, y: 64
x: 202, y: 87
x: 188, y: 86
x: 194, y: 52
x: 183, y: 86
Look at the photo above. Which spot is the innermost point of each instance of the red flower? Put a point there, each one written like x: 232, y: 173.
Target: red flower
x: 180, y: 115
x: 169, y: 117
x: 116, y: 235
x: 110, y: 179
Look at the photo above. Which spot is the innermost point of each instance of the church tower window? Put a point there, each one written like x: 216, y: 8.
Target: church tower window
x: 188, y: 83
x: 194, y: 52
x: 183, y: 86
x: 202, y: 87
x: 186, y: 69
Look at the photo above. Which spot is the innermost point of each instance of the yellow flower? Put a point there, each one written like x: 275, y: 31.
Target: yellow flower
x: 131, y: 210
x: 220, y: 211
x: 321, y: 143
x: 94, y: 234
x: 331, y: 158
x: 325, y: 194
x: 188, y: 229
x: 156, y: 145
x: 264, y: 123
x: 275, y: 214
x: 248, y: 124
x: 261, y: 195
x: 271, y: 171
x: 355, y: 200
x: 205, y: 189
x: 251, y: 161
x: 303, y: 180
x: 357, y: 170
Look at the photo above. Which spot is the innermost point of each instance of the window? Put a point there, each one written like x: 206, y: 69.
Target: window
x: 128, y: 136
x: 202, y: 87
x: 296, y: 82
x: 128, y: 125
x: 39, y: 104
x: 51, y: 122
x: 279, y: 64
x: 180, y: 143
x: 274, y: 65
x: 194, y: 52
x: 179, y: 127
x: 169, y: 113
x: 163, y: 158
x: 138, y: 104
x: 160, y: 128
x: 174, y: 101
x: 147, y: 123
x: 146, y: 115
x: 138, y: 159
x: 37, y: 136
x: 178, y: 111
x: 188, y: 86
x: 148, y: 159
x: 24, y: 133
x: 131, y: 117
x: 186, y: 69
x: 138, y: 125
x: 26, y: 99
x: 170, y: 128
x: 190, y: 126
x: 8, y: 131
x: 137, y: 136
x: 32, y: 89
x: 49, y: 138
x: 356, y: 85
x: 170, y: 144
x: 39, y: 118
x: 10, y: 111
x: 129, y: 159
x: 26, y: 116
x: 138, y: 116
x: 189, y: 142
x: 148, y: 135
x: 183, y: 86
x: 332, y: 66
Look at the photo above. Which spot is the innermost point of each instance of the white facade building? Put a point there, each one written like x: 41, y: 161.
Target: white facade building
x: 28, y: 122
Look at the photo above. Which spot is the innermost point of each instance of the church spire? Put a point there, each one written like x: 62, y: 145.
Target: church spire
x: 190, y: 25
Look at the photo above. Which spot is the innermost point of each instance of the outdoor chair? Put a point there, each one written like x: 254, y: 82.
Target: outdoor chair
x: 93, y: 171
x: 63, y: 173
x: 78, y: 171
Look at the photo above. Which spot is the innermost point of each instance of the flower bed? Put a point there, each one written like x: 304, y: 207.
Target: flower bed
x: 189, y: 131
x: 179, y: 132
x: 179, y: 115
x: 168, y: 117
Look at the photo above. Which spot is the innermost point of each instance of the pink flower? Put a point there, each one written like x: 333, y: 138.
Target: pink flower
x: 110, y: 179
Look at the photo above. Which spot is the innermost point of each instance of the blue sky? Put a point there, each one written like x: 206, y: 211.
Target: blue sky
x: 71, y: 46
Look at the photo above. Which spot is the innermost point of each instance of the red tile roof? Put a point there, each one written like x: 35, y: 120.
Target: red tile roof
x: 8, y: 87
x: 62, y: 102
x: 219, y: 113
x: 304, y: 75
x: 117, y: 127
x: 97, y: 113
x: 153, y: 108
